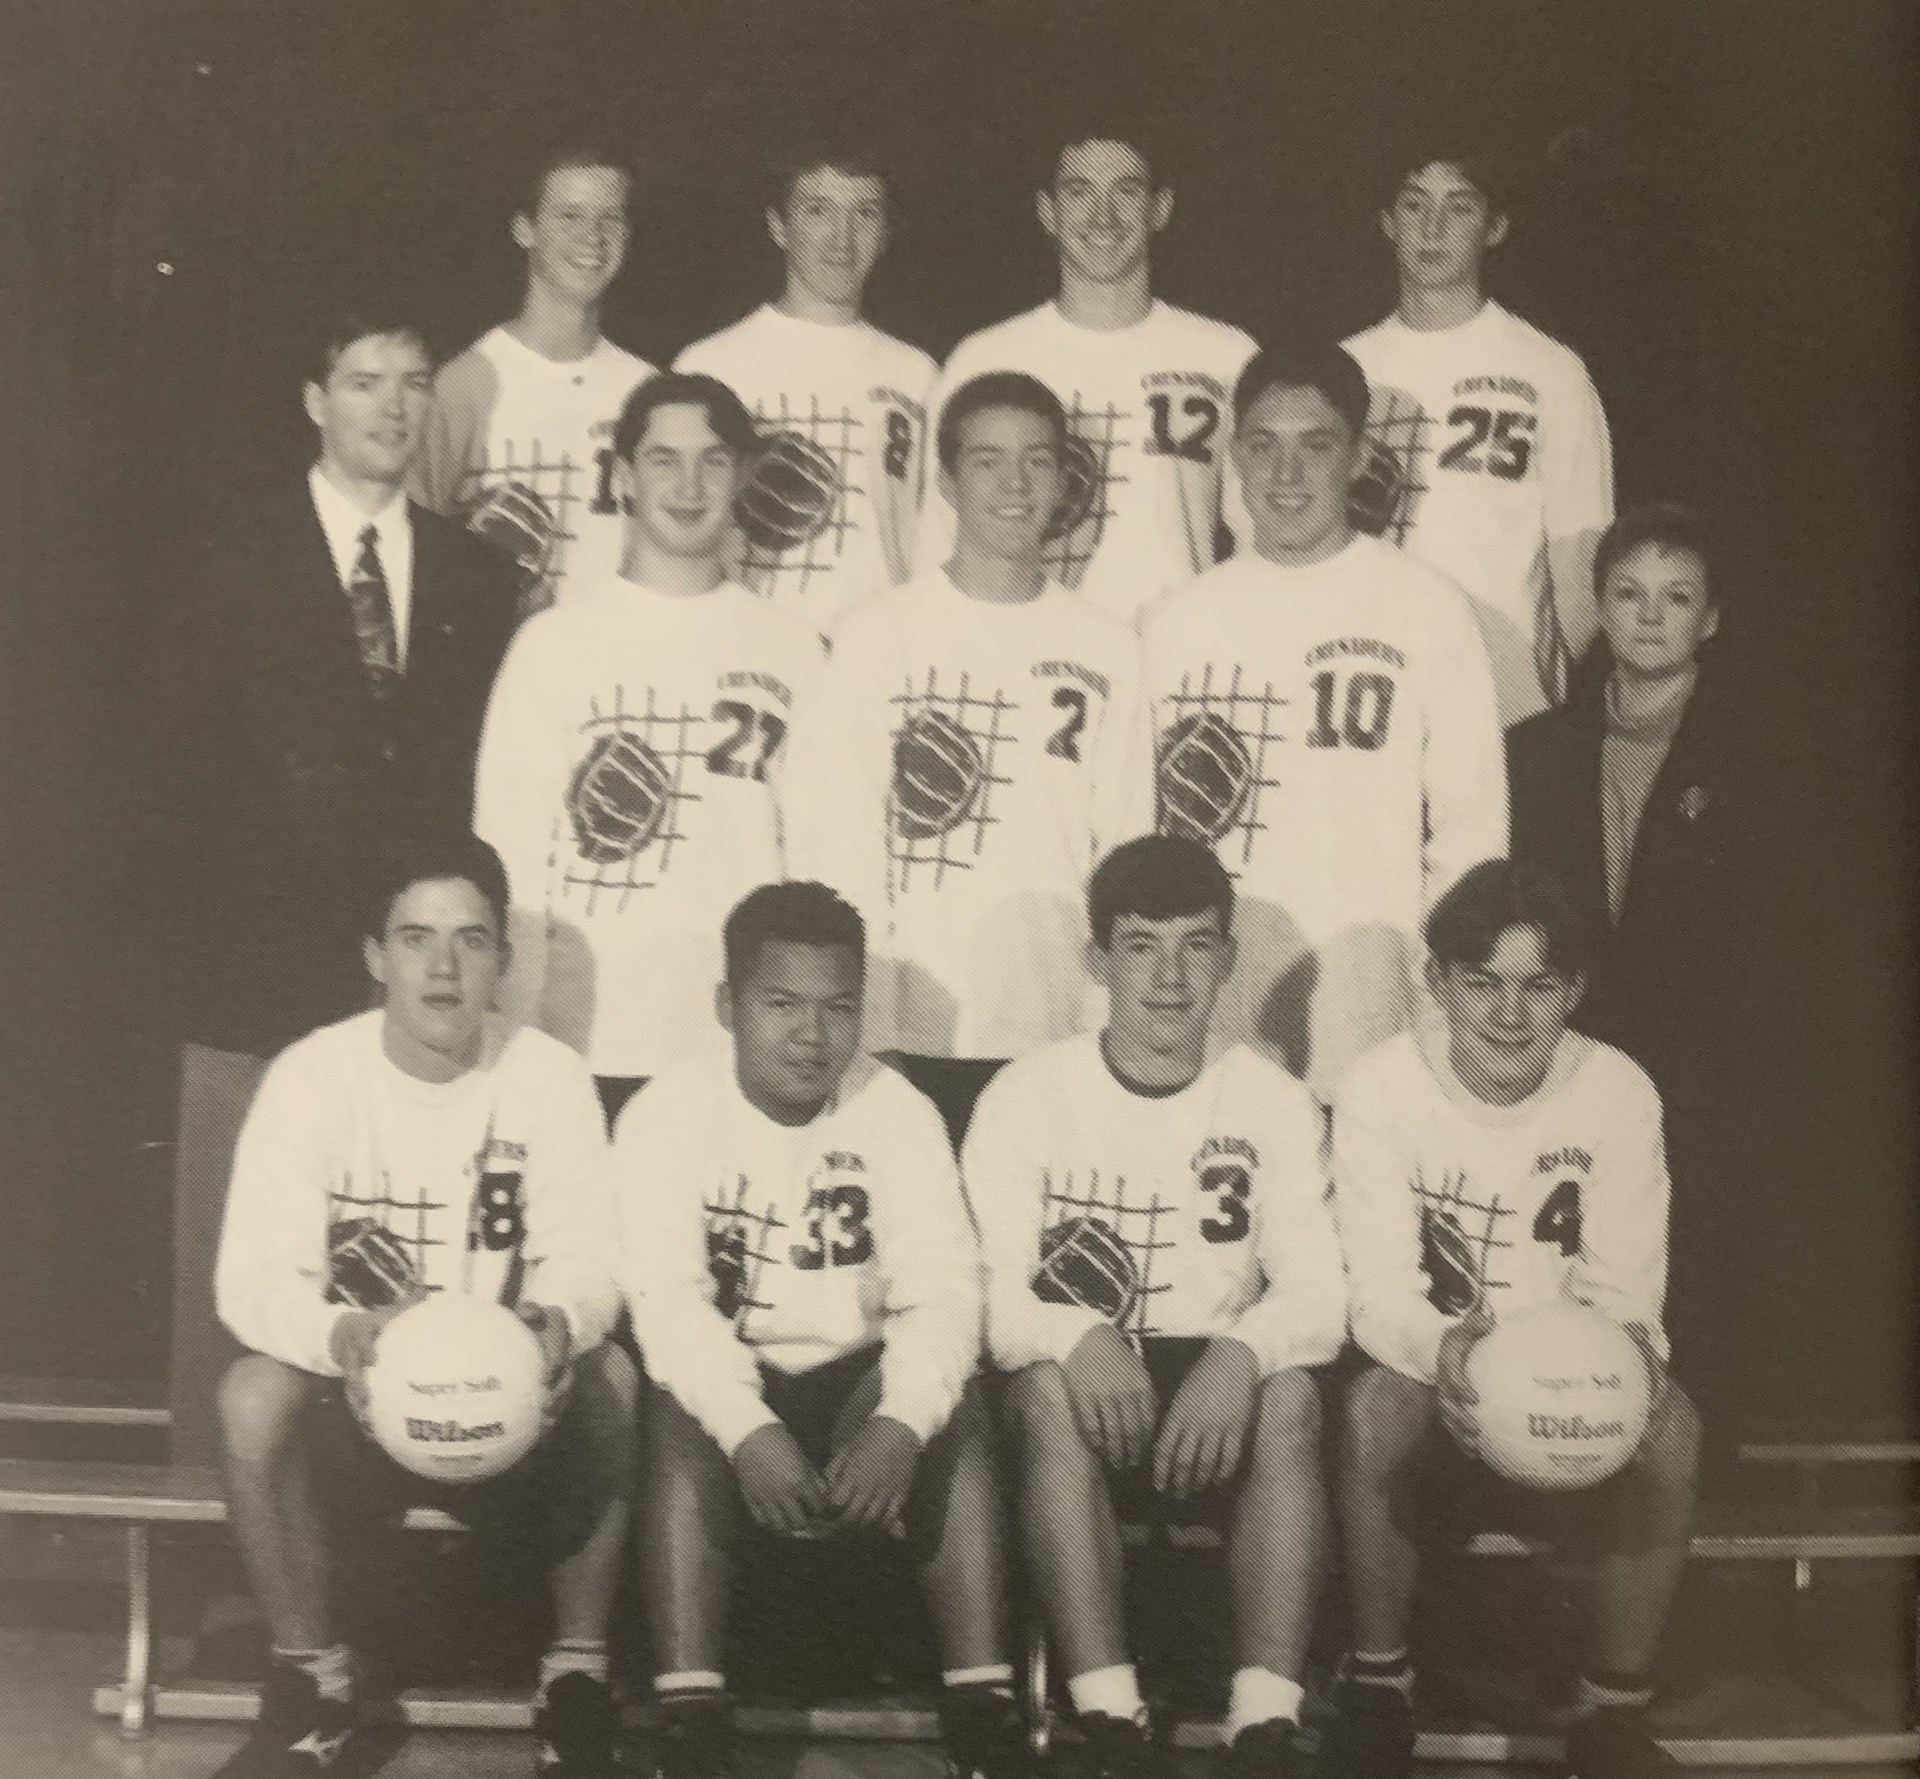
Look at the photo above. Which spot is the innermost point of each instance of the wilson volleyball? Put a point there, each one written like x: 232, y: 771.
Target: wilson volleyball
x: 455, y: 1389
x: 1564, y: 1396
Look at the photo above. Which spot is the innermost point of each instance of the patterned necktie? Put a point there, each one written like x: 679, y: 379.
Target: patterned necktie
x: 372, y: 610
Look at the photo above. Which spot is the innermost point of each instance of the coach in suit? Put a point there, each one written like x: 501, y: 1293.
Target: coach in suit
x: 1649, y: 795
x: 339, y: 658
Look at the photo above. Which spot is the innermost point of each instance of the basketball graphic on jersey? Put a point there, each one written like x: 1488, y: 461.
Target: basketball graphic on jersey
x: 789, y: 494
x: 1382, y: 499
x: 727, y: 1266
x: 511, y: 517
x: 1204, y: 777
x: 1447, y: 1260
x: 938, y: 776
x: 367, y: 1267
x: 1378, y: 493
x: 1084, y: 1261
x: 1082, y: 481
x: 619, y: 798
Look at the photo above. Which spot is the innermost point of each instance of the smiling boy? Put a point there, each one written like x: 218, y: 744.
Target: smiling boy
x: 629, y: 765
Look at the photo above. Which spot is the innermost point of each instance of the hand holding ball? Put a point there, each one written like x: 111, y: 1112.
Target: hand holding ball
x: 456, y: 1389
x: 1563, y: 1397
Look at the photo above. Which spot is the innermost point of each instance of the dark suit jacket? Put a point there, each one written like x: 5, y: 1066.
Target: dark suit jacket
x: 294, y: 776
x: 1670, y: 979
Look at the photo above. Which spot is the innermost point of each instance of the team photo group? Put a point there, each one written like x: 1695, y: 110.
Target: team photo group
x: 814, y: 945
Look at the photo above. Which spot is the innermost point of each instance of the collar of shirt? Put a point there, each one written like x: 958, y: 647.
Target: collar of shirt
x: 343, y: 522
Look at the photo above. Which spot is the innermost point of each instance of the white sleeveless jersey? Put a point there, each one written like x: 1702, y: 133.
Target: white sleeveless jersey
x: 1503, y: 478
x: 628, y: 776
x: 828, y: 513
x: 1330, y: 732
x: 353, y: 1182
x: 747, y: 1243
x: 1446, y: 1202
x: 1198, y: 1213
x: 1151, y: 410
x: 950, y: 774
x: 521, y: 448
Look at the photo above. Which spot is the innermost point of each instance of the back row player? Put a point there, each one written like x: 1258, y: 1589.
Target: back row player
x: 1495, y: 459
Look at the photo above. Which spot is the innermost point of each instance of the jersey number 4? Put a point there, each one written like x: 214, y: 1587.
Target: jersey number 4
x: 1559, y: 1219
x: 837, y: 1232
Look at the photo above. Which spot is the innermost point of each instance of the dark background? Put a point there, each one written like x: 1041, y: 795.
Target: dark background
x: 1719, y: 215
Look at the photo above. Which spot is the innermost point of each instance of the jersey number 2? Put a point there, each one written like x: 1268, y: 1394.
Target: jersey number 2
x: 725, y: 756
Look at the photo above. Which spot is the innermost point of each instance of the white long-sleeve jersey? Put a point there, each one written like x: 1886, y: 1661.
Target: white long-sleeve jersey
x: 628, y: 775
x: 1506, y: 473
x: 1215, y: 1194
x: 504, y: 418
x: 1151, y: 410
x: 828, y: 514
x: 493, y: 1185
x: 952, y: 774
x: 747, y: 1243
x: 1446, y: 1202
x: 1330, y: 730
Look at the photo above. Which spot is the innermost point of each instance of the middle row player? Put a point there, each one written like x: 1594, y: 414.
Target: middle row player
x: 1318, y: 711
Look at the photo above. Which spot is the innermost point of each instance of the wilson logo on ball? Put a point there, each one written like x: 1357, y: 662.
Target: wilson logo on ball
x: 1204, y: 775
x: 619, y: 798
x: 938, y: 775
x: 789, y: 494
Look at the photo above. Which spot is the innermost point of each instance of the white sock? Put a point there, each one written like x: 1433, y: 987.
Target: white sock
x: 1598, y: 1695
x: 1262, y: 1696
x: 572, y: 1657
x: 997, y: 1677
x: 1114, y: 1692
x: 331, y: 1669
x: 688, y: 1683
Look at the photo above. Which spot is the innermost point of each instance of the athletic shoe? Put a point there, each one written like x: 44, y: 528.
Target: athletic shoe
x: 985, y: 1734
x: 696, y: 1740
x: 297, y: 1733
x: 1615, y: 1743
x: 1371, y: 1736
x: 1265, y: 1751
x: 576, y: 1728
x: 1120, y: 1748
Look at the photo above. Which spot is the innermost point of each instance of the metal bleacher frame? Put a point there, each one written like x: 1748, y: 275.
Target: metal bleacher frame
x: 144, y: 1497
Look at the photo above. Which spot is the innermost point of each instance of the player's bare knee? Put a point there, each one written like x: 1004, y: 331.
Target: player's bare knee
x: 261, y: 1401
x: 1669, y: 1456
x: 1286, y: 1428
x: 1040, y: 1409
x: 1387, y: 1414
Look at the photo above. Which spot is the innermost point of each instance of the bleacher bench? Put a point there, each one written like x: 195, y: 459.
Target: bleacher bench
x: 140, y: 1497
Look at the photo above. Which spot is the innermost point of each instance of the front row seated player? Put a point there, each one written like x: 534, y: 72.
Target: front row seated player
x: 1483, y: 1165
x: 805, y: 1286
x: 1162, y: 1270
x: 421, y: 1147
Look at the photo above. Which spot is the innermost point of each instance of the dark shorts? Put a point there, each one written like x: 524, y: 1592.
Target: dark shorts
x: 1168, y: 1358
x: 545, y: 1506
x: 822, y: 1407
x: 953, y: 1083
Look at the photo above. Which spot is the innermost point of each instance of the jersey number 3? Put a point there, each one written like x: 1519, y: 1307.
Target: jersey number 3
x: 1230, y: 1185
